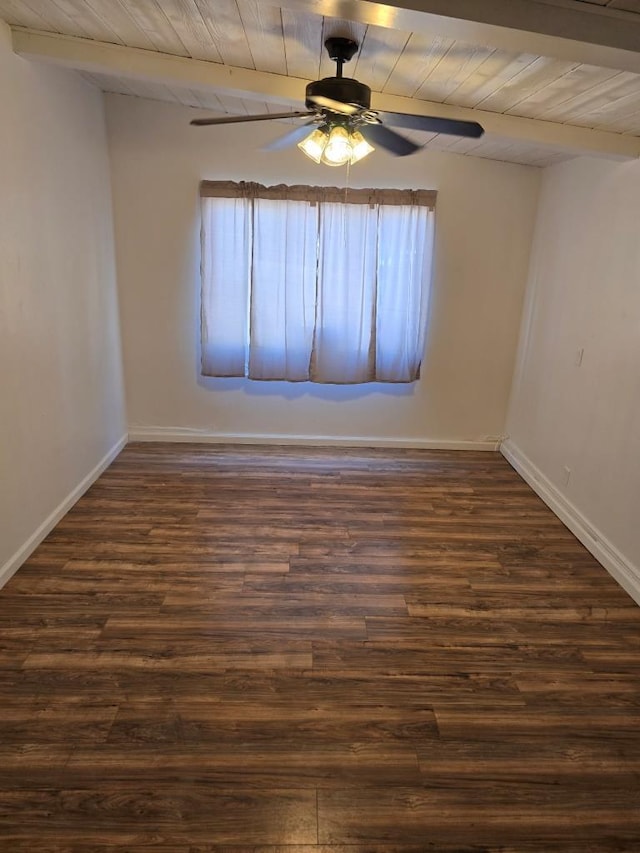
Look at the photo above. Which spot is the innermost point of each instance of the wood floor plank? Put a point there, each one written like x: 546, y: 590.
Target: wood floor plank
x: 248, y: 766
x: 231, y: 625
x: 236, y: 649
x: 551, y: 760
x: 169, y: 813
x: 499, y: 813
x: 119, y: 661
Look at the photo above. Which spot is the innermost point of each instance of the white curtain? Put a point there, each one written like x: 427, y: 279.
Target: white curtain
x: 283, y: 289
x: 226, y: 242
x: 345, y: 320
x: 327, y: 292
x: 405, y: 251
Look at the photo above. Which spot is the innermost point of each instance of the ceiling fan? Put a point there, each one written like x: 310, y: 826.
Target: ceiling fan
x: 346, y: 128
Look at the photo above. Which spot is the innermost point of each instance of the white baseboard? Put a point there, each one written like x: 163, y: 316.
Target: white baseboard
x: 618, y: 566
x: 13, y: 563
x: 141, y: 433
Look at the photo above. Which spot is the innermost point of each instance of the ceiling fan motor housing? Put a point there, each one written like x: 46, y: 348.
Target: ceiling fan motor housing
x: 343, y: 89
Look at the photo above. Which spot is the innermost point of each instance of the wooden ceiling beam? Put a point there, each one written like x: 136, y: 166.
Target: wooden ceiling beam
x: 564, y: 29
x: 153, y: 67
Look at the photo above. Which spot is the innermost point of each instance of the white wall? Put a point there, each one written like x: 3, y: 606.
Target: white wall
x: 61, y: 389
x: 584, y: 294
x: 485, y: 218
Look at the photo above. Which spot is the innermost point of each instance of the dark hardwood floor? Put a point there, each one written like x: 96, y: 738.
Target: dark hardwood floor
x: 316, y: 651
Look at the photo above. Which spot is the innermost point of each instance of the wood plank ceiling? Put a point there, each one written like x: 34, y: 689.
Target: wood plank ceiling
x: 289, y: 41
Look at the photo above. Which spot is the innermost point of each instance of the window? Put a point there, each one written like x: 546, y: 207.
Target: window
x: 315, y: 283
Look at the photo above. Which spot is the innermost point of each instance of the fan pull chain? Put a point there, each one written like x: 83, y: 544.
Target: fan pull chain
x: 346, y: 198
x: 346, y: 181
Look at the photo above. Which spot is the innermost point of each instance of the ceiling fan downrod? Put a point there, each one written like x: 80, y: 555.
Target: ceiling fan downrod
x: 340, y: 50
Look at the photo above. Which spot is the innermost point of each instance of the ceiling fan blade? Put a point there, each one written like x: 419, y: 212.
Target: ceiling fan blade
x: 202, y: 122
x: 378, y: 134
x: 292, y: 138
x: 334, y: 106
x: 433, y: 124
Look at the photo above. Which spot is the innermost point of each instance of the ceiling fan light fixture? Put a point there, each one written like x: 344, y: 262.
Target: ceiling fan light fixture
x: 359, y: 147
x: 314, y: 144
x: 338, y: 149
x: 335, y: 146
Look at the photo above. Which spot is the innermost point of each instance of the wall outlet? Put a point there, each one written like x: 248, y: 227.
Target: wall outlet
x: 566, y: 475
